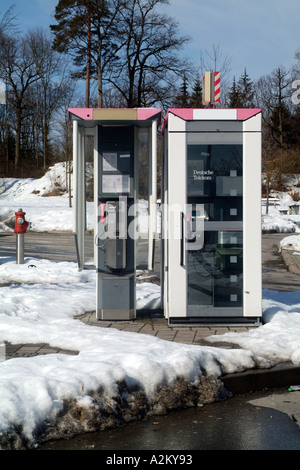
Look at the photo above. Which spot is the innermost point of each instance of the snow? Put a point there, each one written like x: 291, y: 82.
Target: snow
x: 276, y: 222
x: 39, y: 302
x: 291, y: 243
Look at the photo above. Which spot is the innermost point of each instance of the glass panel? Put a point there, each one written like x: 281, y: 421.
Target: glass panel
x: 215, y: 267
x: 215, y: 272
x: 214, y: 170
x: 220, y: 209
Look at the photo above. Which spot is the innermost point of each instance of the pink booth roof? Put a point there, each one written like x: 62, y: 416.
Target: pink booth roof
x: 90, y: 114
x: 187, y: 114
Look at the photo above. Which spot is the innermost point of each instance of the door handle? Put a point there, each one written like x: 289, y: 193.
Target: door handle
x: 182, y: 239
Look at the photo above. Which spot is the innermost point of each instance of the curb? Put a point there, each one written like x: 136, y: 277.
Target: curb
x: 283, y: 375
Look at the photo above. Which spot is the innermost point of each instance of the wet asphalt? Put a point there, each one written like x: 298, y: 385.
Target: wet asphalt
x: 243, y: 422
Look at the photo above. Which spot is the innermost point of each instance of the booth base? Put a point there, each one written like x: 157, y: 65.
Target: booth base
x: 189, y: 321
x: 116, y: 297
x: 115, y: 315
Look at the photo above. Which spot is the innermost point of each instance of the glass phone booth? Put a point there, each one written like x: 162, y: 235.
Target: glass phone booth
x: 211, y: 216
x: 120, y: 137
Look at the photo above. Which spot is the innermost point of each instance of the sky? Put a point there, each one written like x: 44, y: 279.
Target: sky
x: 258, y: 35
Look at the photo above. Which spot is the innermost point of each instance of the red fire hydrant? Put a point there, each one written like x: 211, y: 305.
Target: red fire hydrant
x: 21, y: 226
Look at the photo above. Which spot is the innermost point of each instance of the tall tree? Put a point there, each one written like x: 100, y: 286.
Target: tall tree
x: 149, y: 60
x: 106, y: 43
x: 246, y: 91
x: 126, y: 44
x: 234, y: 96
x: 274, y: 96
x: 86, y: 29
x: 183, y: 98
x: 18, y: 68
x: 241, y: 93
x: 72, y: 33
x: 196, y: 96
x: 50, y: 70
x: 7, y: 25
x: 279, y: 134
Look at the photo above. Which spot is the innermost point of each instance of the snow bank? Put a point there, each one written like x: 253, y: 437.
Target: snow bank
x: 45, y: 213
x: 274, y: 221
x: 278, y: 339
x: 279, y: 224
x: 291, y: 243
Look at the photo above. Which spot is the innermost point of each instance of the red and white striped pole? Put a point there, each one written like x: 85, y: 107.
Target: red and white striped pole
x: 211, y: 88
x: 217, y: 87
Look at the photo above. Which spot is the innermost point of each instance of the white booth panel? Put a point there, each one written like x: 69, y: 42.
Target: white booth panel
x: 211, y: 194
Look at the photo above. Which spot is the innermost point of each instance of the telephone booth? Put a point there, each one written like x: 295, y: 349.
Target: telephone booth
x: 211, y: 216
x: 119, y: 137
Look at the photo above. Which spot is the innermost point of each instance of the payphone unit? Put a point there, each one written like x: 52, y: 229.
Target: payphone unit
x: 116, y: 201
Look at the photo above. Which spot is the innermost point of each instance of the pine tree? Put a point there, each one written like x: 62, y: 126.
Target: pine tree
x: 241, y: 93
x: 245, y: 86
x: 183, y: 99
x: 72, y: 32
x: 86, y: 30
x: 234, y: 96
x: 196, y: 97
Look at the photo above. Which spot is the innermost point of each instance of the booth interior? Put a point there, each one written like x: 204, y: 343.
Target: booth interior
x: 209, y: 235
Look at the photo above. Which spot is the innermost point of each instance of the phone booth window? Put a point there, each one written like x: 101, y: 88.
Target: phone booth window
x: 215, y: 181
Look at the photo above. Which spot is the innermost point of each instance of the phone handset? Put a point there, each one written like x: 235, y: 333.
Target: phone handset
x: 102, y: 212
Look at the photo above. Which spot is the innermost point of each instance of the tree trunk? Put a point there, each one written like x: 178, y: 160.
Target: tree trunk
x: 88, y: 64
x: 100, y: 91
x: 18, y: 138
x: 268, y: 193
x: 99, y: 74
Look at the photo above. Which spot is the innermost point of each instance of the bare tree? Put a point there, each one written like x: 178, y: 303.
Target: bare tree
x: 149, y: 61
x: 105, y: 21
x: 8, y: 21
x: 273, y: 94
x: 87, y: 30
x: 34, y: 75
x: 64, y: 130
x: 7, y: 25
x: 215, y: 60
x: 17, y: 66
x: 50, y: 70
